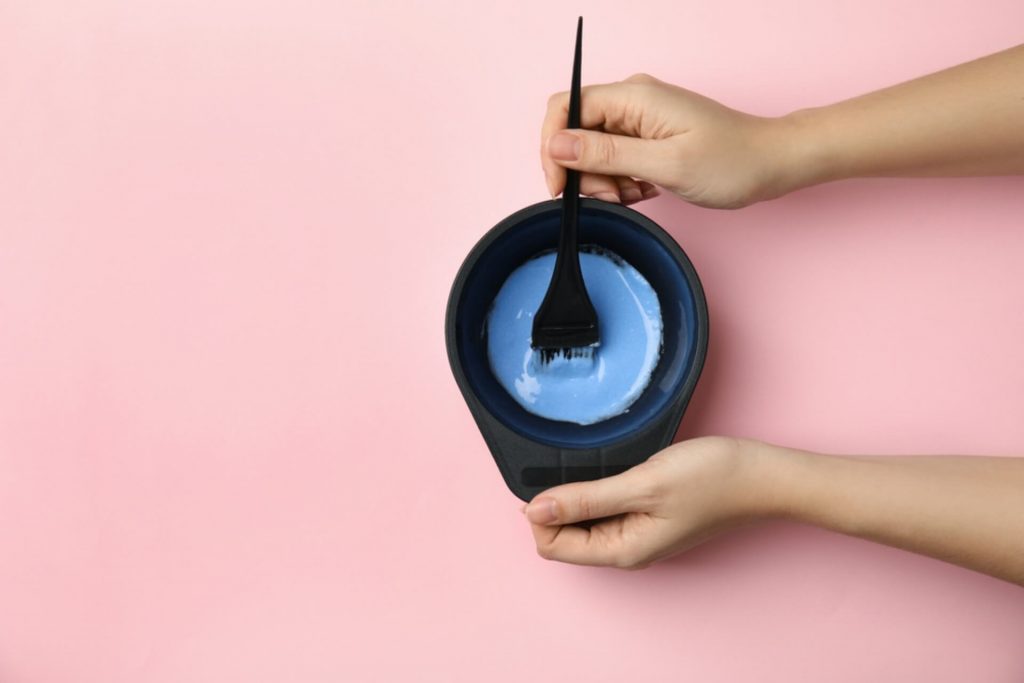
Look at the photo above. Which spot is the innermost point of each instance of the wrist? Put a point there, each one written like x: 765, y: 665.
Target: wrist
x: 807, y: 149
x: 775, y: 479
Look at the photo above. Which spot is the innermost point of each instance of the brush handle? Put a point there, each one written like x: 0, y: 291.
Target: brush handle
x: 568, y: 248
x: 574, y: 90
x: 566, y: 319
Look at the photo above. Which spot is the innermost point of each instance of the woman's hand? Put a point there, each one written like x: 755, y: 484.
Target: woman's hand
x: 961, y: 121
x: 642, y: 131
x: 968, y: 510
x: 673, y: 501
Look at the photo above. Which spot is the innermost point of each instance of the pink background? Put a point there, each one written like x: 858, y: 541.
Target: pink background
x: 230, y: 445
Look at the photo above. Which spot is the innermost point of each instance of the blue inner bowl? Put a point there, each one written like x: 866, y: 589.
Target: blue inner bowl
x: 633, y: 237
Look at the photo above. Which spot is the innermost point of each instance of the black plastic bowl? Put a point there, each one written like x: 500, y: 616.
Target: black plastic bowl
x: 532, y: 452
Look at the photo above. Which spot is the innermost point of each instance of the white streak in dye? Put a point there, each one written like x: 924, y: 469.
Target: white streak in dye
x: 652, y: 329
x: 527, y: 385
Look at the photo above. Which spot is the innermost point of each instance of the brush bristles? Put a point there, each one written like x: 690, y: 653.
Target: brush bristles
x: 568, y: 353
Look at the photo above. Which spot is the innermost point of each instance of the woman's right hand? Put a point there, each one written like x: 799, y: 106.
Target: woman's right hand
x: 642, y: 131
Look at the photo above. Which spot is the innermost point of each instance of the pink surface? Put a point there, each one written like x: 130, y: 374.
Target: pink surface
x: 226, y: 454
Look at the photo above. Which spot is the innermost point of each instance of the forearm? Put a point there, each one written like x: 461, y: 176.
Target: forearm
x: 965, y: 510
x: 966, y: 120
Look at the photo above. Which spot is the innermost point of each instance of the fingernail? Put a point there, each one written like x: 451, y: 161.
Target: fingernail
x: 649, y: 190
x: 564, y: 147
x: 607, y: 197
x: 542, y: 510
x: 632, y: 194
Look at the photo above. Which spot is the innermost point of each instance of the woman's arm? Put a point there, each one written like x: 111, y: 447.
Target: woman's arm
x: 965, y: 510
x: 968, y: 510
x: 963, y: 121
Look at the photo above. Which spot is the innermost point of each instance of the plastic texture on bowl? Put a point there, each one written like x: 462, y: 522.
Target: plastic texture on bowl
x: 532, y: 452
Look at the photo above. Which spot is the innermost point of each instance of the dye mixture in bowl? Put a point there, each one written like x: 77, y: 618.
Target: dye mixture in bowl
x: 583, y: 388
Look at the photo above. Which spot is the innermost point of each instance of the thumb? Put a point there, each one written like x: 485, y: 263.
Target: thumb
x: 585, y: 500
x: 616, y: 155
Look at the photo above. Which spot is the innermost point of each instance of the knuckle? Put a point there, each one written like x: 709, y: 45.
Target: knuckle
x: 557, y: 99
x: 651, y: 486
x: 652, y: 493
x: 545, y: 551
x: 659, y: 457
x: 630, y: 560
x: 720, y: 444
x: 654, y: 474
x: 627, y: 560
x: 604, y: 151
x: 645, y: 485
x: 584, y: 506
x: 641, y: 77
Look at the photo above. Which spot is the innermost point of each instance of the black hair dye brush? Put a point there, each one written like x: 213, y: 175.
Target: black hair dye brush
x: 566, y: 322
